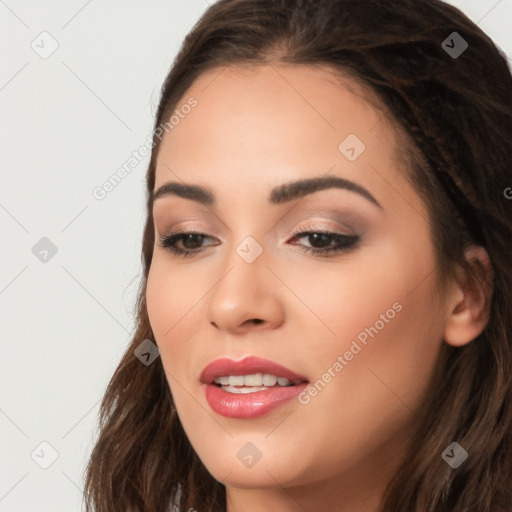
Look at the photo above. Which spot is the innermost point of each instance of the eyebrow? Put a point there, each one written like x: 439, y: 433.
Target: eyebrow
x: 279, y: 195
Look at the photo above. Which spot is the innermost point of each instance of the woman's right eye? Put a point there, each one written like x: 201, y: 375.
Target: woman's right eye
x: 191, y: 241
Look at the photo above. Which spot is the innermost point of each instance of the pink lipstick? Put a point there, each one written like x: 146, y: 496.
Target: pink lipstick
x: 249, y: 388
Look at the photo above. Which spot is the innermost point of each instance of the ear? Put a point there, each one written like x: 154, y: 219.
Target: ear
x: 468, y: 306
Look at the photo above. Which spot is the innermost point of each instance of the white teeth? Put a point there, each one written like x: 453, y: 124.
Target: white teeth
x: 255, y: 379
x: 269, y: 380
x: 252, y: 380
x: 236, y: 380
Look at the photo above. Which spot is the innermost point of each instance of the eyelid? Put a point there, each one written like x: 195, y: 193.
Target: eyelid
x: 183, y: 227
x: 320, y: 226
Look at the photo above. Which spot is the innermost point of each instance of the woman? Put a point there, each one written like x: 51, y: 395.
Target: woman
x: 327, y: 272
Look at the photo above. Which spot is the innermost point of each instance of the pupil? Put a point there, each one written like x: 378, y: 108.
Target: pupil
x: 323, y: 238
x: 191, y: 238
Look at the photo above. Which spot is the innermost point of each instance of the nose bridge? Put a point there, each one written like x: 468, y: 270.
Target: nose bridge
x: 245, y: 270
x: 246, y: 237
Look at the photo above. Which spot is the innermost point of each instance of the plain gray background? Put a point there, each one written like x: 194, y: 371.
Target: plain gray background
x: 68, y: 121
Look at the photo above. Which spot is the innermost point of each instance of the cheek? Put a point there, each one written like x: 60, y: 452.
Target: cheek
x: 381, y: 319
x: 167, y: 301
x: 169, y: 298
x: 346, y: 299
x: 371, y: 398
x: 175, y: 300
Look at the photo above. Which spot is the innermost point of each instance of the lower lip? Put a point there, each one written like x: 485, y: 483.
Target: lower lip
x: 250, y: 405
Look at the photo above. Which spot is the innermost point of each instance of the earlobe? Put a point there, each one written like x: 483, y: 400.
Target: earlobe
x: 468, y: 307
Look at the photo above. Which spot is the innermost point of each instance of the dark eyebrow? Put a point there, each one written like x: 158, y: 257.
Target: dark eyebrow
x: 194, y: 192
x: 279, y: 195
x: 296, y: 189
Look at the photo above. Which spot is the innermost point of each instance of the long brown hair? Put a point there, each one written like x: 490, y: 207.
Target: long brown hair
x: 454, y: 115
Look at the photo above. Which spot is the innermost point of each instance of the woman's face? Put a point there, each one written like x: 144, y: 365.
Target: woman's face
x: 362, y: 325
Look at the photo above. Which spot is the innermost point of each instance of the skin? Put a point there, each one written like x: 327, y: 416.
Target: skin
x: 252, y: 130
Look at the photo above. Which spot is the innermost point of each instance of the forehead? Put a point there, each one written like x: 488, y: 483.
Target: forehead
x: 272, y: 123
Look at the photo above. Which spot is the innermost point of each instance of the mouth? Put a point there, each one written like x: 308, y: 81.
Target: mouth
x: 250, y: 387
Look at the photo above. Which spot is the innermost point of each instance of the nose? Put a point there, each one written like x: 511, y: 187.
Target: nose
x: 246, y: 298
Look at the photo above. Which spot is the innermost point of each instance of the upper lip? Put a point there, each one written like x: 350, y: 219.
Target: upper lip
x: 246, y: 366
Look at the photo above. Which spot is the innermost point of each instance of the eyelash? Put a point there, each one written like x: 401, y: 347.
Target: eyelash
x: 345, y: 243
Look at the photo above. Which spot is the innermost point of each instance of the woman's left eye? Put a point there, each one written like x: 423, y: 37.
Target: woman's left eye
x: 325, y: 242
x: 322, y: 242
